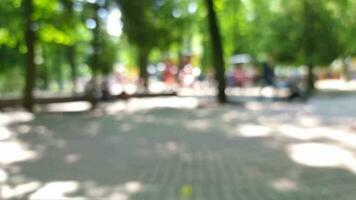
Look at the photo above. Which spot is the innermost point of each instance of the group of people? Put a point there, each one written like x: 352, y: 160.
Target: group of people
x: 188, y: 75
x: 265, y: 77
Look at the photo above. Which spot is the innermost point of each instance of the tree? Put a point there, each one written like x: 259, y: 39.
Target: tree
x: 140, y: 29
x: 71, y: 48
x: 301, y: 33
x: 319, y: 44
x: 218, y: 58
x: 29, y: 32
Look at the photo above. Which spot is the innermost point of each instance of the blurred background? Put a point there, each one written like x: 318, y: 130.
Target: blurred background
x: 177, y: 99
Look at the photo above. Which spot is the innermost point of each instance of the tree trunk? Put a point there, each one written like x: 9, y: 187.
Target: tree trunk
x: 94, y: 65
x: 310, y: 78
x: 215, y: 37
x: 30, y: 56
x: 142, y: 61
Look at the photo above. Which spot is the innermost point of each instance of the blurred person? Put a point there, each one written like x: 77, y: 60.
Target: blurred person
x: 268, y: 79
x: 240, y: 77
x: 268, y: 75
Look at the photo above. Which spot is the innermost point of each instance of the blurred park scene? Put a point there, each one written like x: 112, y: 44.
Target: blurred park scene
x: 178, y: 99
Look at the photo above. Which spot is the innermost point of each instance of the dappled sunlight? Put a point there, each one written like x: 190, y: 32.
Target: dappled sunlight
x: 137, y: 104
x: 133, y: 187
x: 5, y: 133
x: 252, y: 130
x: 19, y: 191
x: 309, y: 121
x: 322, y: 155
x: 269, y: 106
x: 15, y: 152
x: 118, y: 192
x: 134, y: 151
x: 126, y: 190
x: 342, y: 137
x: 3, y: 176
x: 284, y: 185
x: 15, y: 117
x: 171, y: 102
x: 199, y: 124
x: 254, y: 106
x: 299, y: 133
x: 233, y: 115
x: 67, y: 107
x: 115, y: 107
x: 56, y: 190
x: 341, y: 85
x: 72, y: 158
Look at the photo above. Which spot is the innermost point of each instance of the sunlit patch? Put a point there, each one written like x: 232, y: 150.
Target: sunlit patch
x: 115, y: 107
x: 119, y: 196
x: 254, y: 106
x: 72, y: 158
x: 171, y: 102
x: 3, y: 176
x: 251, y: 130
x: 133, y: 187
x: 340, y: 136
x: 343, y: 137
x: 125, y: 191
x: 284, y: 185
x: 56, y: 190
x: 309, y: 121
x: 137, y: 104
x: 200, y: 124
x: 68, y: 107
x: 322, y: 155
x: 300, y: 133
x: 5, y: 133
x: 19, y: 191
x: 336, y: 85
x: 15, y: 117
x: 15, y: 152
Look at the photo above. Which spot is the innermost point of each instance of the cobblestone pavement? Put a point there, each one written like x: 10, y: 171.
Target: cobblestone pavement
x: 263, y: 151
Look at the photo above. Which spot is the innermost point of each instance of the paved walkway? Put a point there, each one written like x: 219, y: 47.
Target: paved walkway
x: 265, y: 151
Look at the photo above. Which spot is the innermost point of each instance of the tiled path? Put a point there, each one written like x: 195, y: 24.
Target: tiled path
x: 265, y: 151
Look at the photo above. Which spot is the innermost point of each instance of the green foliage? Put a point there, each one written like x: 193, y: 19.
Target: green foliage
x: 108, y: 54
x: 291, y: 31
